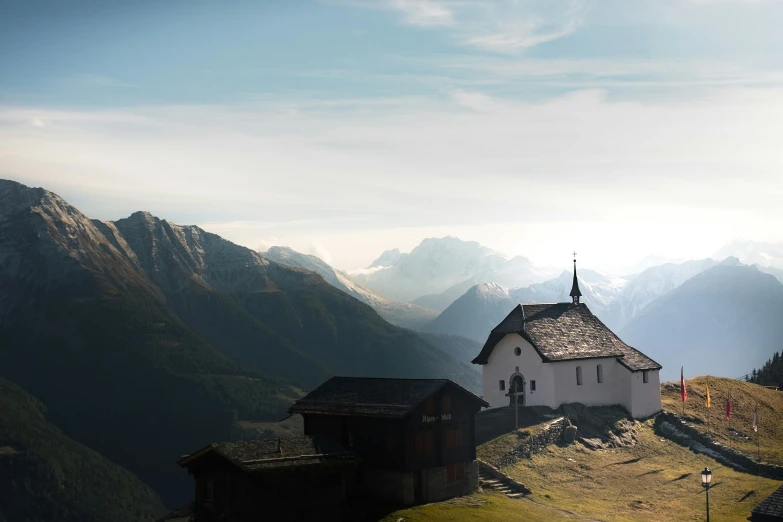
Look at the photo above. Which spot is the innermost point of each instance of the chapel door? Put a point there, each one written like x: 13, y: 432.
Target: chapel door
x: 516, y: 393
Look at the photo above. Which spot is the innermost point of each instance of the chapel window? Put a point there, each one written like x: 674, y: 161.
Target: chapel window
x: 645, y: 377
x: 578, y: 375
x: 599, y: 370
x: 502, y: 385
x: 533, y: 385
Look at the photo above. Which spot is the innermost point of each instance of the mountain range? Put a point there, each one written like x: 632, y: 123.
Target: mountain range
x: 483, y: 306
x: 722, y: 321
x: 436, y: 265
x: 401, y: 314
x: 145, y: 339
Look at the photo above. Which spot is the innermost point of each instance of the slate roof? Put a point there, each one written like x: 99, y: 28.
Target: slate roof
x: 260, y: 455
x: 771, y: 508
x: 373, y: 397
x: 564, y: 332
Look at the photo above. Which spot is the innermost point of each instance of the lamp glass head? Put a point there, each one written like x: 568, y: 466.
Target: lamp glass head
x: 706, y: 476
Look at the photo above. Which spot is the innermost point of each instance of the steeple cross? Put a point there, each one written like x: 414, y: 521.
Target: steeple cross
x: 574, y: 255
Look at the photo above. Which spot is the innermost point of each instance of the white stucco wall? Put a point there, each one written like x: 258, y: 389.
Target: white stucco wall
x: 590, y: 392
x: 556, y: 382
x: 645, y: 397
x: 502, y: 365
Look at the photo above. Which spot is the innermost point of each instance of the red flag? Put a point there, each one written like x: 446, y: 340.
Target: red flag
x: 683, y: 390
x: 728, y: 407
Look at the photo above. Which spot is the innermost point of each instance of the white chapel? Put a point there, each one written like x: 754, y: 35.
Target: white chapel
x: 553, y: 354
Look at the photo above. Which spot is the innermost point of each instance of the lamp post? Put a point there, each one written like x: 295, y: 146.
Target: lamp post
x: 706, y: 478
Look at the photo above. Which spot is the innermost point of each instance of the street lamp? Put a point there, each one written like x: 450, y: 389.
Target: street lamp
x: 706, y: 478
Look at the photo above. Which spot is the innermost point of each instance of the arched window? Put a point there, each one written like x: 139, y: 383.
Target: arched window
x: 578, y: 375
x: 517, y: 350
x: 599, y: 371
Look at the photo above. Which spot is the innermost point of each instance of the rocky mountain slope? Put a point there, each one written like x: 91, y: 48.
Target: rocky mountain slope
x: 724, y: 321
x: 648, y: 286
x: 438, y: 264
x: 145, y: 338
x: 483, y: 306
x: 401, y: 314
x: 47, y: 477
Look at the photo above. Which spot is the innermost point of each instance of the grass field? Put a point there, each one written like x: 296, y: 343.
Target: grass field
x: 655, y: 480
x: 744, y: 397
x: 481, y: 507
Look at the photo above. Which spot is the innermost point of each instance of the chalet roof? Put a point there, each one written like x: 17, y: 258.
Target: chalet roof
x: 771, y: 508
x: 373, y: 397
x: 260, y: 455
x: 564, y: 332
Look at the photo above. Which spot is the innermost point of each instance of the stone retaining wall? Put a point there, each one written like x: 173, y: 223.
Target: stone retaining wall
x: 686, y: 435
x: 550, y: 434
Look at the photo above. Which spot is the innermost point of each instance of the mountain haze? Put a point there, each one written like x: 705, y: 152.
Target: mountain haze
x: 483, y: 306
x: 435, y: 265
x: 724, y: 321
x: 753, y: 252
x: 648, y: 286
x: 401, y: 314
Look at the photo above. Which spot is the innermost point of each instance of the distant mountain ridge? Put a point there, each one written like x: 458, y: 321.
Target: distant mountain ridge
x: 401, y: 314
x: 723, y: 321
x: 753, y: 252
x: 437, y: 264
x: 482, y: 307
x: 648, y: 286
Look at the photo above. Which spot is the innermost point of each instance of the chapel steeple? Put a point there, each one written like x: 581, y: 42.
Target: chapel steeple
x: 575, y: 293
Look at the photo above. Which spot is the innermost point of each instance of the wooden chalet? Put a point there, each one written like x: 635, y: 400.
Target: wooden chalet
x: 268, y: 479
x: 415, y: 438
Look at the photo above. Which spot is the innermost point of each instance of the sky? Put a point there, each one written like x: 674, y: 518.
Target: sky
x: 343, y: 128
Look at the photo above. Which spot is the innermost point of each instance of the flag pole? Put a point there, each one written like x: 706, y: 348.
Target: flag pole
x: 729, y: 418
x: 758, y: 435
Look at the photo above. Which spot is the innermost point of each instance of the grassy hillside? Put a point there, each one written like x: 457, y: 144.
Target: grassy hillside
x: 481, y: 507
x: 47, y: 477
x: 652, y: 480
x: 744, y: 396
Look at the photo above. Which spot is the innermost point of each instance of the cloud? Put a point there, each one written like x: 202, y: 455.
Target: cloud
x: 322, y: 174
x: 264, y: 244
x: 38, y: 123
x: 499, y: 26
x: 511, y: 36
x: 318, y: 250
x: 474, y: 100
x: 423, y: 12
x: 95, y: 80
